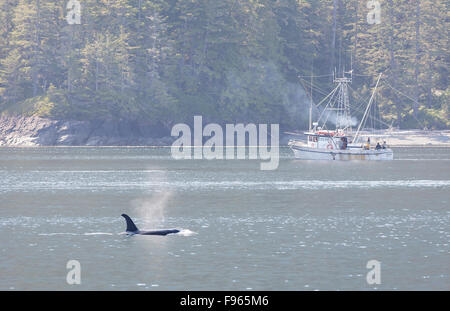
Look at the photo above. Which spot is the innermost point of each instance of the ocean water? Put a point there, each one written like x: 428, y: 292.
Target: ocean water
x: 305, y: 226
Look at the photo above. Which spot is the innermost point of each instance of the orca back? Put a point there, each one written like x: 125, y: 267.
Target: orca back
x: 160, y: 232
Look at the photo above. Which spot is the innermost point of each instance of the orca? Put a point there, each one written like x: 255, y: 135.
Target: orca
x: 132, y: 229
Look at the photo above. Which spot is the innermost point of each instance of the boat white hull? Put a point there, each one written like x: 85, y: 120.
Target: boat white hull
x: 306, y: 153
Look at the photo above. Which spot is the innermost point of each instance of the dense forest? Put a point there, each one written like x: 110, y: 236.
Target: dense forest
x: 227, y: 60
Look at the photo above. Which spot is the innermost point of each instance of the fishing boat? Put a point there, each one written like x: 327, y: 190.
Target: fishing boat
x: 341, y: 142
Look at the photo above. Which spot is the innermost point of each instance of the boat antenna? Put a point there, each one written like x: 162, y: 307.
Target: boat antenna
x: 351, y: 62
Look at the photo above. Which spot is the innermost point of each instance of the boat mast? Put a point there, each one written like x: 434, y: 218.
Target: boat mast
x: 343, y: 117
x: 311, y: 101
x: 367, y: 109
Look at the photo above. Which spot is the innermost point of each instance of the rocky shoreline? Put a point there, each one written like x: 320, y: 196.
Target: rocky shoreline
x: 36, y: 131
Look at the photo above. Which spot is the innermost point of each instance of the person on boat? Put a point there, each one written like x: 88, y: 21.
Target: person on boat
x: 384, y: 145
x: 344, y: 143
x: 378, y: 147
x: 367, y: 145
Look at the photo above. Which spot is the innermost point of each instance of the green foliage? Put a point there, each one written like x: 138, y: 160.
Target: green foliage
x: 230, y: 61
x: 52, y: 104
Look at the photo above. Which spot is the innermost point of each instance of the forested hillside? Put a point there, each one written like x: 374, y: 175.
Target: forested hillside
x: 228, y: 60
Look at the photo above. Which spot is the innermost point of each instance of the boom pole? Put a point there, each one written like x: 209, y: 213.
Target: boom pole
x: 367, y: 109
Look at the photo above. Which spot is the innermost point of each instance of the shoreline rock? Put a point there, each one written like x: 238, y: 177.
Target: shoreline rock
x: 37, y: 131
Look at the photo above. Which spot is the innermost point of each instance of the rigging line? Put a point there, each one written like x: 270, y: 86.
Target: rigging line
x: 326, y: 120
x: 401, y: 93
x: 364, y: 119
x: 323, y: 100
x: 310, y: 98
x: 360, y: 75
x: 316, y: 88
x: 321, y: 114
x: 421, y: 124
x: 357, y: 95
x: 374, y: 118
x: 325, y: 108
x: 360, y: 98
x: 314, y: 84
x: 311, y: 102
x: 324, y: 93
x: 364, y: 124
x: 316, y: 107
x: 408, y: 86
x: 320, y: 76
x: 363, y: 101
x: 319, y: 91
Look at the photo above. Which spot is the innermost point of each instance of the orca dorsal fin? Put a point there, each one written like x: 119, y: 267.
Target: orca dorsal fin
x: 131, y: 227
